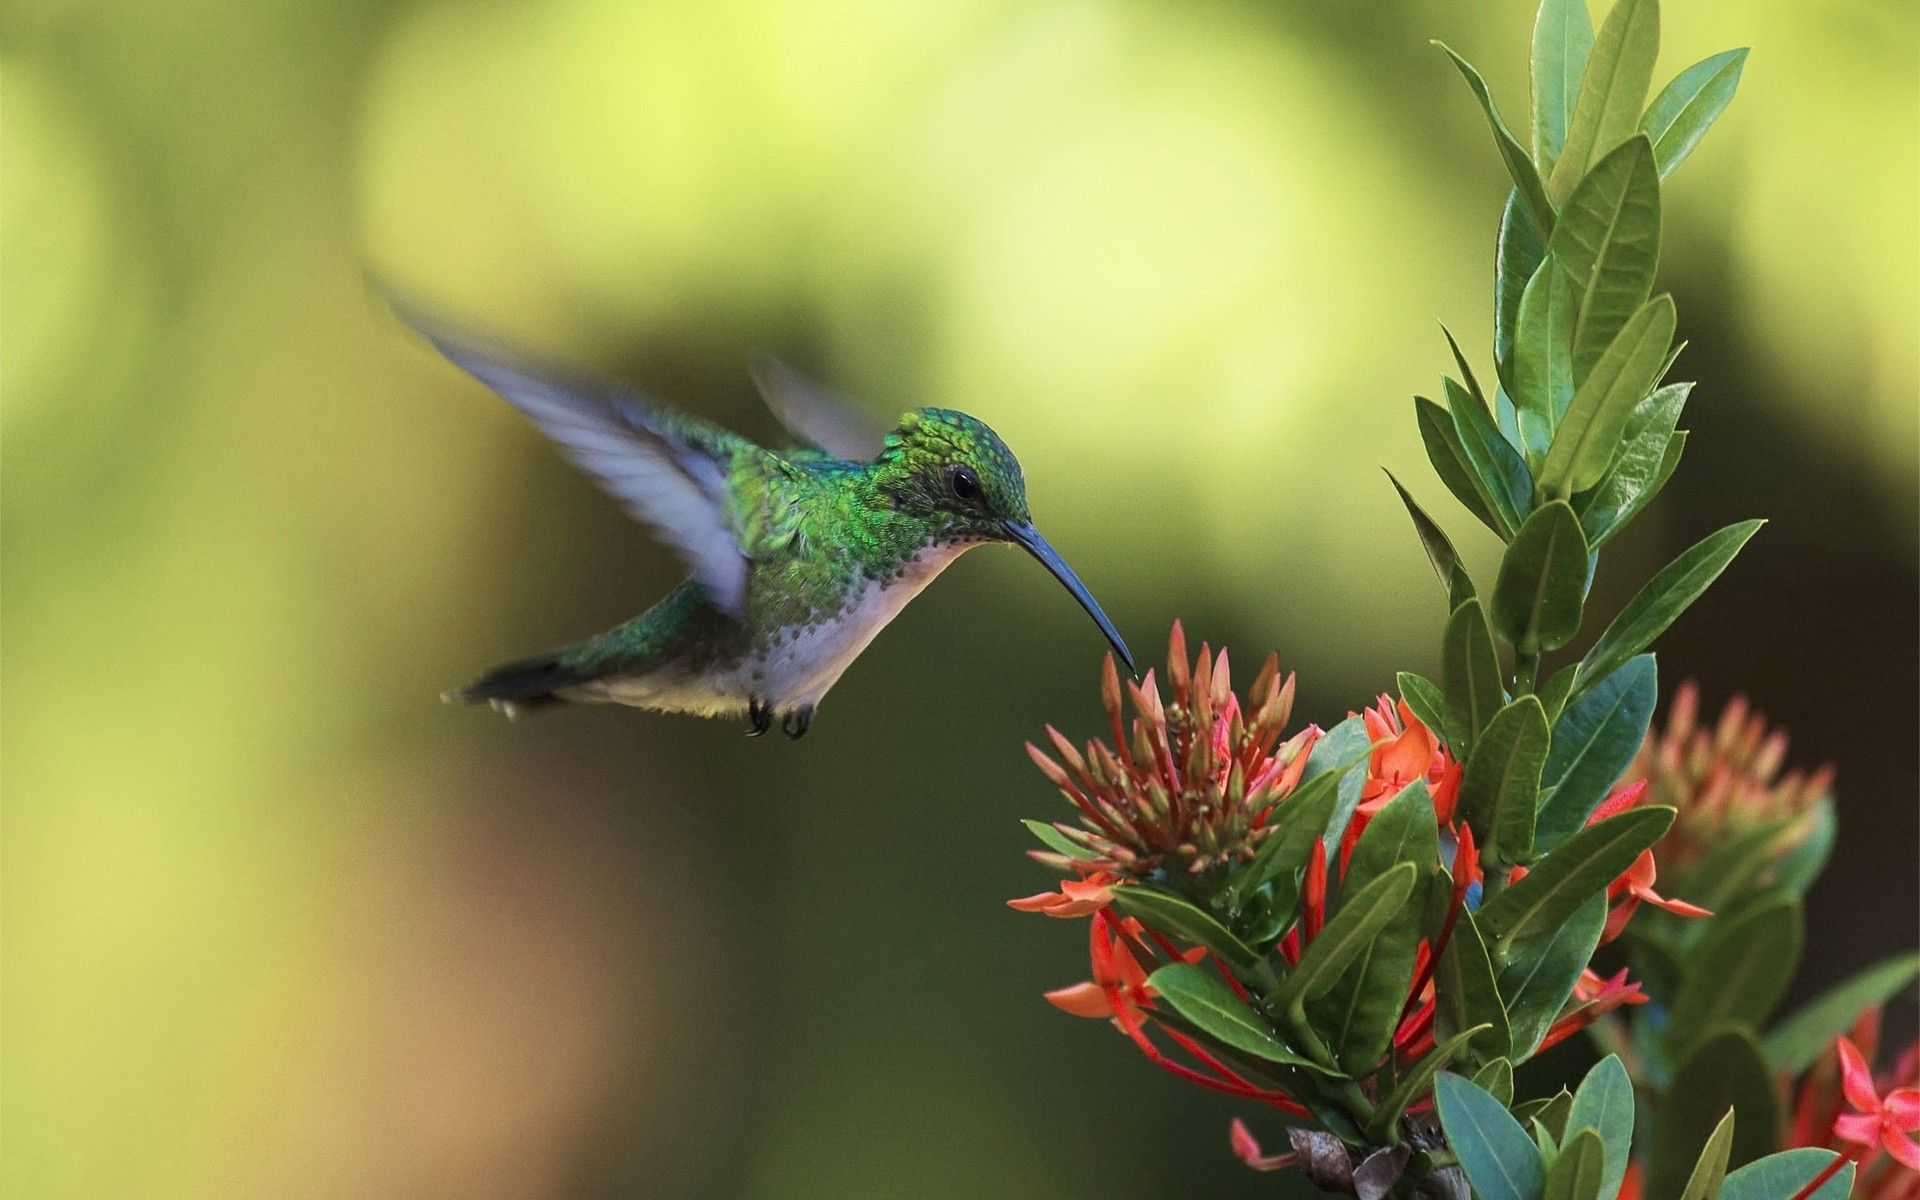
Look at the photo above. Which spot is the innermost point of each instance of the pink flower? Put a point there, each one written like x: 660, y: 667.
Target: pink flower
x: 1882, y: 1121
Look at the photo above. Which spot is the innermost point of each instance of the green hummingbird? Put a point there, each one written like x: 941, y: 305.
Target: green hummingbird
x: 799, y: 557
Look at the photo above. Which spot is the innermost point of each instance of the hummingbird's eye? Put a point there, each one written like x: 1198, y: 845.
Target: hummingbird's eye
x: 965, y: 483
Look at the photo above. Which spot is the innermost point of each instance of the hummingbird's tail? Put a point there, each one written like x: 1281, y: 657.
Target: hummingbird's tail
x: 522, y: 686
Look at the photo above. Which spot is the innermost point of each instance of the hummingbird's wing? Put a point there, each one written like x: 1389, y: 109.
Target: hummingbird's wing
x: 669, y: 470
x: 816, y: 414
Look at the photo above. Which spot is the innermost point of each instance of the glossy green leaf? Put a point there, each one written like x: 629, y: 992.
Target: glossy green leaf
x: 1541, y: 969
x: 1603, y: 1105
x: 1466, y: 996
x: 1608, y: 243
x: 1440, y: 551
x: 1058, y: 842
x: 1526, y: 176
x: 1724, y: 1071
x: 1662, y: 600
x: 1785, y: 1174
x: 1501, y: 470
x: 1498, y: 1157
x: 1517, y: 256
x: 1554, y: 692
x: 1450, y: 463
x: 1561, y: 882
x: 1205, y: 1000
x: 1345, y: 740
x: 1496, y: 1080
x: 1543, y: 357
x: 1638, y: 470
x: 1579, y: 1169
x: 1182, y: 919
x: 1470, y: 673
x: 1797, y: 1041
x: 1345, y: 937
x: 1594, y: 740
x: 1542, y: 586
x: 1710, y: 1169
x: 1619, y: 72
x: 1684, y: 110
x: 1416, y: 1081
x: 1427, y: 701
x: 1501, y: 783
x: 1590, y: 436
x: 1357, y: 1015
x: 1562, y: 39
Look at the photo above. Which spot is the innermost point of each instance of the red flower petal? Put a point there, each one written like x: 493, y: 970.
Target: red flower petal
x: 1082, y: 1000
x: 1901, y: 1147
x: 1856, y: 1079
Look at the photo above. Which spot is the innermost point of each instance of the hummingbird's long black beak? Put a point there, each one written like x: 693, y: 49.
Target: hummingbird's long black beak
x: 1022, y: 533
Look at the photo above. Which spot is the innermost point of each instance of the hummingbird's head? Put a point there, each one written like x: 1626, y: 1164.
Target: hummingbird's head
x: 951, y: 472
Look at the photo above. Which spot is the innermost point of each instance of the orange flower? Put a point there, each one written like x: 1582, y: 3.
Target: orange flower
x: 1119, y: 985
x: 1636, y: 882
x: 1076, y: 897
x: 1596, y: 998
x: 1406, y: 750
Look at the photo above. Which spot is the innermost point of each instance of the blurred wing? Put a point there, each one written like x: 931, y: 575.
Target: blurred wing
x: 669, y: 471
x: 815, y: 414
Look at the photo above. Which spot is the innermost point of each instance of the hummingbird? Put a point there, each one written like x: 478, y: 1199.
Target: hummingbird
x: 798, y: 557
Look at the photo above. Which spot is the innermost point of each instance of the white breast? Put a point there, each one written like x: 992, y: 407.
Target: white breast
x: 797, y: 669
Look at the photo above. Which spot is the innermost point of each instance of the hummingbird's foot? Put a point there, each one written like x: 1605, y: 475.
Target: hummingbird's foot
x: 797, y: 721
x: 759, y: 717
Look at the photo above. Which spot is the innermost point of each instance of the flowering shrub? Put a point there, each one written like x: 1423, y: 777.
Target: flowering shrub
x: 1367, y: 928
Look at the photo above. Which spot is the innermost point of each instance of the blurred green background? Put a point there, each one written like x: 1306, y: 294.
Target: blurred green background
x: 278, y: 923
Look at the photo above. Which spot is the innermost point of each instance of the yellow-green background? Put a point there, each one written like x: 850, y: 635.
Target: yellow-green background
x: 278, y: 924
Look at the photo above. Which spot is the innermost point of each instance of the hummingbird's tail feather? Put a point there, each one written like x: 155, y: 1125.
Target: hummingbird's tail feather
x: 521, y: 686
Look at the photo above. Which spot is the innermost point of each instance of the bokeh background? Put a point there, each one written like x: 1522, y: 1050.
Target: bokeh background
x: 278, y: 923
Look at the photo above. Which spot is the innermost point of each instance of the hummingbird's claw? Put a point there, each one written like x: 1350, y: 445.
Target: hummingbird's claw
x: 759, y: 717
x: 797, y: 721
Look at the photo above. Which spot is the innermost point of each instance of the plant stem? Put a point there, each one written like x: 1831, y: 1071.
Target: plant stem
x: 1525, y: 668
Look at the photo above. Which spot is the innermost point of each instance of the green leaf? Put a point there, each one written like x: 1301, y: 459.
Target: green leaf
x: 1426, y: 700
x: 1501, y: 783
x: 1797, y: 1041
x: 1730, y: 871
x: 1345, y: 937
x: 1415, y: 1082
x: 1577, y: 1172
x: 1724, y: 1071
x: 1341, y: 744
x: 1543, y: 356
x: 1499, y: 466
x: 1710, y: 1169
x: 1609, y: 246
x: 1800, y: 866
x: 1526, y: 176
x: 1662, y: 600
x: 1440, y: 551
x: 1541, y: 970
x: 1541, y: 590
x: 1561, y: 882
x: 1450, y: 463
x: 1603, y: 1104
x: 1172, y: 915
x: 1638, y: 471
x: 1550, y: 1113
x: 1496, y: 1079
x: 1301, y: 817
x: 1683, y: 111
x: 1619, y: 72
x: 1058, y: 842
x: 1204, y: 999
x: 1553, y: 694
x: 1357, y: 1015
x: 1517, y: 257
x: 1466, y: 996
x: 1562, y: 39
x: 1784, y: 1174
x: 1470, y: 673
x: 1594, y: 740
x: 1585, y: 443
x: 1498, y: 1157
